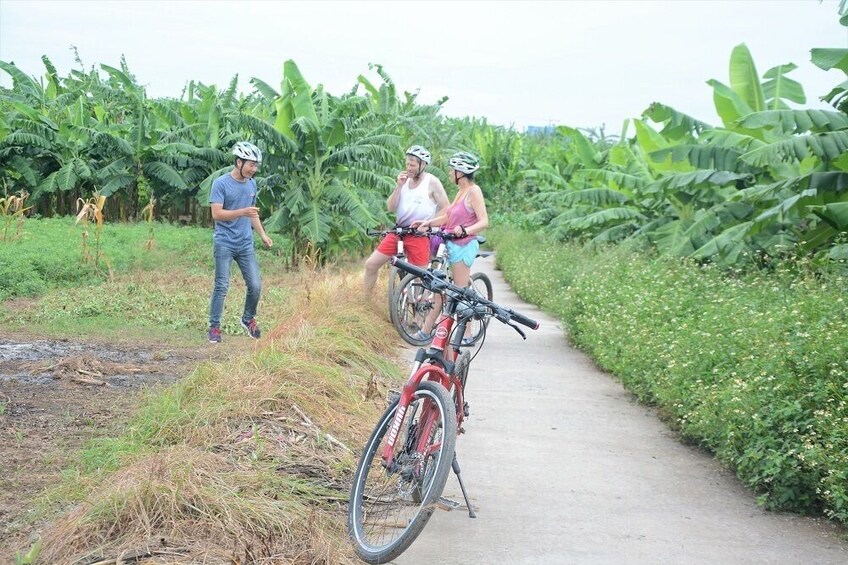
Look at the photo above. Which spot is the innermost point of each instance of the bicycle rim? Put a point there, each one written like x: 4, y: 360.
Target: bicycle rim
x: 389, y: 509
x: 413, y: 302
x: 395, y: 277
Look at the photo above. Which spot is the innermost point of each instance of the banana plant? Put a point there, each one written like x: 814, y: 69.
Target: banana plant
x: 324, y: 181
x: 142, y: 162
x: 827, y: 58
x: 47, y: 149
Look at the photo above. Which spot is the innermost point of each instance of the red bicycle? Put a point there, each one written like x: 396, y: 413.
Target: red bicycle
x: 405, y: 464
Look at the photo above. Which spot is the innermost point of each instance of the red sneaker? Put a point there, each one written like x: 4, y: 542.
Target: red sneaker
x: 252, y: 328
x: 214, y: 335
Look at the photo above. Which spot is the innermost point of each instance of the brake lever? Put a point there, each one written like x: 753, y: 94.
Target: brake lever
x: 516, y: 328
x: 436, y: 284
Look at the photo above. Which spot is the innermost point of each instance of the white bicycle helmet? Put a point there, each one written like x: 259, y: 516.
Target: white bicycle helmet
x: 247, y: 151
x: 464, y: 162
x: 420, y: 152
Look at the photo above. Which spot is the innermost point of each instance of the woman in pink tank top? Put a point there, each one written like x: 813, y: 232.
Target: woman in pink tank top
x: 466, y: 216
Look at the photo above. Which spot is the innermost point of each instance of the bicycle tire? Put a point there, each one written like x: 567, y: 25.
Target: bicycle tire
x: 395, y: 278
x: 463, y: 363
x: 483, y: 285
x: 413, y: 301
x: 381, y: 502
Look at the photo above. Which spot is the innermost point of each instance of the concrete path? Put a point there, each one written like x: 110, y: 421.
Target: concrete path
x: 563, y: 466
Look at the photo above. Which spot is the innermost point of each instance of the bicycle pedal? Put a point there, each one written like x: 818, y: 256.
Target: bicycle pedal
x: 466, y: 409
x: 447, y: 504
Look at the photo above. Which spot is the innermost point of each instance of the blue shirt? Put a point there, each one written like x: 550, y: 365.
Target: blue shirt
x: 233, y: 195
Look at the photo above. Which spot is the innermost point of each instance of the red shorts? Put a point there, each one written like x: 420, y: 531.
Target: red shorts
x: 416, y: 248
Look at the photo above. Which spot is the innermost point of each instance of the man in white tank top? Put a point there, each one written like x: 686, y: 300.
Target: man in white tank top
x: 417, y: 196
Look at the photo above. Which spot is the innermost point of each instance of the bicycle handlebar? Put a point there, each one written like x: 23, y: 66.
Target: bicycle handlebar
x: 443, y: 234
x: 402, y: 231
x: 438, y: 284
x: 397, y: 230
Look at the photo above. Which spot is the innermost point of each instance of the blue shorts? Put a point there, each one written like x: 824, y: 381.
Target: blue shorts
x: 465, y: 253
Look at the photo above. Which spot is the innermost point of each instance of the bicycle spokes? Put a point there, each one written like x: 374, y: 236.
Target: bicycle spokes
x: 393, y: 496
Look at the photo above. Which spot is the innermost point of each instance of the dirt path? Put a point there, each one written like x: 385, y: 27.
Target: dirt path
x: 563, y: 466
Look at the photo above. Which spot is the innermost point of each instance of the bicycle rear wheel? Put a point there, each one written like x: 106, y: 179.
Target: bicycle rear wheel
x: 389, y: 507
x: 413, y: 302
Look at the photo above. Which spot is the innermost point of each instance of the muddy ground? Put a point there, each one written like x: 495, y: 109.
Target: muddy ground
x: 55, y: 395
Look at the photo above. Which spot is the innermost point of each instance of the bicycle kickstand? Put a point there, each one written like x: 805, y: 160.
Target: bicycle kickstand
x: 455, y: 466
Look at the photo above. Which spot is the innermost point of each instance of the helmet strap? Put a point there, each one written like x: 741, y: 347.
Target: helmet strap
x: 420, y: 168
x: 240, y: 168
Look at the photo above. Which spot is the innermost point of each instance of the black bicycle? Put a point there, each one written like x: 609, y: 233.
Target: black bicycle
x: 395, y: 274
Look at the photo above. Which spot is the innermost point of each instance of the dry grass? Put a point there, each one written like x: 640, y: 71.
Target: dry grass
x: 246, y: 461
x: 202, y: 505
x: 87, y: 365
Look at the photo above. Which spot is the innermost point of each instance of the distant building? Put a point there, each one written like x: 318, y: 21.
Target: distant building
x: 540, y: 130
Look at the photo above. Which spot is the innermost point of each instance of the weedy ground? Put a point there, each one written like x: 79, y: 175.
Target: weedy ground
x: 125, y: 434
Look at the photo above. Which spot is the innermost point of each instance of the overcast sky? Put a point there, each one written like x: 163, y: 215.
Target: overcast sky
x: 579, y: 63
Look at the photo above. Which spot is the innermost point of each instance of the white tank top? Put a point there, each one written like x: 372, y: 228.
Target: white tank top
x: 415, y: 204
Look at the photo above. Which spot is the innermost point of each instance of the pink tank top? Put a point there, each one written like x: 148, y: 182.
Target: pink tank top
x: 460, y: 214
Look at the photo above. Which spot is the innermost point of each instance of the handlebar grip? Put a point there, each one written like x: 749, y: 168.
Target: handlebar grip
x: 524, y: 320
x: 410, y: 268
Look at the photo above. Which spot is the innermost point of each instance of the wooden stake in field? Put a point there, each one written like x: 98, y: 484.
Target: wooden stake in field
x: 148, y: 214
x: 13, y: 210
x: 92, y: 210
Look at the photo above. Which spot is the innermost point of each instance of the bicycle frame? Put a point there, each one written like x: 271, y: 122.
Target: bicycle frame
x: 400, y: 252
x: 438, y: 369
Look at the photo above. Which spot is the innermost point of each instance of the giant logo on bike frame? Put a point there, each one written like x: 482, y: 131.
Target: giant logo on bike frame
x: 441, y: 332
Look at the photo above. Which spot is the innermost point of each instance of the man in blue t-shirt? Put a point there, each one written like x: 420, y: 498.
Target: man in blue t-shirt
x: 233, y: 202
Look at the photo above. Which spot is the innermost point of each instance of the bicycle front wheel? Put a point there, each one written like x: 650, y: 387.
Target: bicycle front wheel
x: 483, y: 287
x: 395, y: 277
x: 413, y: 303
x: 390, y: 505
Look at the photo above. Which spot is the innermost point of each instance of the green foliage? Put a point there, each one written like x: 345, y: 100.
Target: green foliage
x: 678, y: 183
x: 323, y: 182
x: 744, y: 79
x: 771, y: 177
x: 48, y: 255
x: 31, y: 556
x: 750, y: 364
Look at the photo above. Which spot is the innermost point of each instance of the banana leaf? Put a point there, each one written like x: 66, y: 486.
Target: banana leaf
x: 796, y: 121
x: 744, y: 79
x: 827, y: 146
x: 728, y: 245
x: 729, y: 105
x: 778, y: 87
x: 835, y: 214
x: 827, y: 59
